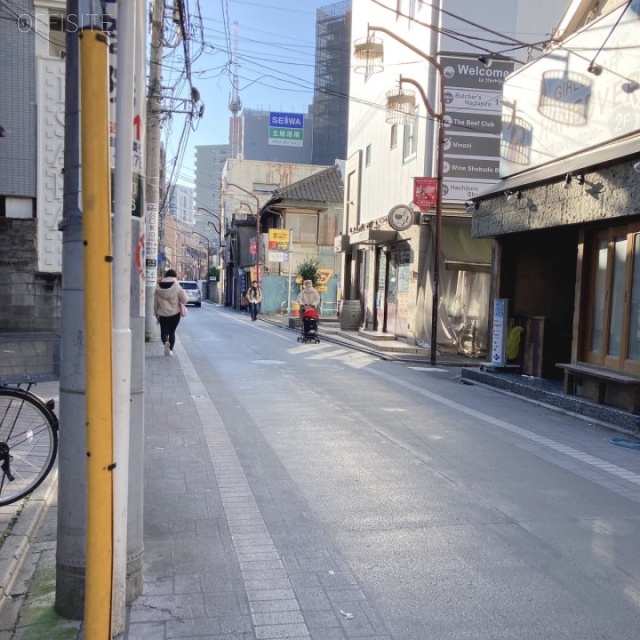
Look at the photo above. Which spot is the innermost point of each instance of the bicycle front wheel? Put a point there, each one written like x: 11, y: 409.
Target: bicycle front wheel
x: 28, y: 443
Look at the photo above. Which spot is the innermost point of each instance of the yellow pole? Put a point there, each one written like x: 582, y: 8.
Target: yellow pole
x: 96, y: 220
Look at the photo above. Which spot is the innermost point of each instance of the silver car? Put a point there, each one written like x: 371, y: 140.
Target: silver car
x: 193, y: 292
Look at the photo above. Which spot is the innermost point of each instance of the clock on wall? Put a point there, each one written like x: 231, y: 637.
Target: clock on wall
x: 401, y: 217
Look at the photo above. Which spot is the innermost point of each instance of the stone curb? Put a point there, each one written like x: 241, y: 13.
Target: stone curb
x: 18, y: 544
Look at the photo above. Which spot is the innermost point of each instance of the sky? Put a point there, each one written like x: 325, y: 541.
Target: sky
x: 276, y: 58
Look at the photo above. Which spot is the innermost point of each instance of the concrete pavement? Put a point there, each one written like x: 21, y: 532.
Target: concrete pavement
x: 211, y: 567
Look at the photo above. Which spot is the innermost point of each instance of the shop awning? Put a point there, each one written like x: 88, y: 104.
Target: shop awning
x: 373, y: 236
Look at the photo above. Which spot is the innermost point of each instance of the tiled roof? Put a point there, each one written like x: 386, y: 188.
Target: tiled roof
x: 324, y: 186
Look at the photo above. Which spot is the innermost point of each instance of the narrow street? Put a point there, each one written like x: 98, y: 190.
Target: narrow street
x: 333, y: 495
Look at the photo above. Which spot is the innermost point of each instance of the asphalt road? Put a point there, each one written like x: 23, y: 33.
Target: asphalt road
x: 459, y: 512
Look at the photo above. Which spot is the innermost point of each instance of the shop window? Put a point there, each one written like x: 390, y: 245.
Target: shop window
x: 613, y: 336
x: 394, y: 136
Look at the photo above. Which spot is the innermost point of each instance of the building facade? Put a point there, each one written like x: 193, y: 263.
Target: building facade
x: 274, y: 136
x: 246, y: 186
x: 331, y: 83
x: 209, y: 165
x: 31, y: 161
x: 565, y: 215
x: 182, y: 203
x: 413, y: 66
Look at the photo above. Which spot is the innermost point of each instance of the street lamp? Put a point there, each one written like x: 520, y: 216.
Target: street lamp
x: 215, y: 215
x: 371, y: 52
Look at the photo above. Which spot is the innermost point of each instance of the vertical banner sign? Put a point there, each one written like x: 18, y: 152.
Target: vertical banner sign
x: 425, y: 193
x: 499, y: 332
x: 473, y: 122
x: 151, y: 252
x: 278, y: 245
x: 286, y: 129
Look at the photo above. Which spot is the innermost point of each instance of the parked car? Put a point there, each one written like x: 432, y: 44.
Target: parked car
x: 193, y: 292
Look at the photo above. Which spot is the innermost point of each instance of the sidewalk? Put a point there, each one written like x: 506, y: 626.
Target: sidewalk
x: 211, y: 567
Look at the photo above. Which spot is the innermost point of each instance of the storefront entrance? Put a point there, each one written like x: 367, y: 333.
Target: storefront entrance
x: 397, y: 292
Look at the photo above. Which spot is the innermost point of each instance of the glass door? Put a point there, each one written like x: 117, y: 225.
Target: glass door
x: 613, y: 294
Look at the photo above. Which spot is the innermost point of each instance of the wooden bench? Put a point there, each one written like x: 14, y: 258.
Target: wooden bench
x: 575, y: 374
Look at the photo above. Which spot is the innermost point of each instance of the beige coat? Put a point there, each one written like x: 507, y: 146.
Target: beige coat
x: 167, y: 298
x: 309, y: 296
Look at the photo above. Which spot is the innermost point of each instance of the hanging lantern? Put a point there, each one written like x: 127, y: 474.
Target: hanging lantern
x: 369, y: 52
x: 400, y: 107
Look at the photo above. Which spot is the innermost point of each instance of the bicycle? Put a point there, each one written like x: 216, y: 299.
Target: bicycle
x: 28, y: 441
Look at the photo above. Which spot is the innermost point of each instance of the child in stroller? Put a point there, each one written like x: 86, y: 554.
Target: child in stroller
x: 309, y: 332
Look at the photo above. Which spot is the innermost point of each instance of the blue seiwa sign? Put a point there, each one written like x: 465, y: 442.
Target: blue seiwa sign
x: 286, y: 129
x: 286, y: 120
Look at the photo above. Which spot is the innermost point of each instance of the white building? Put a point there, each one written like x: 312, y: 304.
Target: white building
x: 182, y: 203
x: 389, y: 259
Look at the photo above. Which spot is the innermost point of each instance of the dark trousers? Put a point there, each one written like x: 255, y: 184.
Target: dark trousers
x: 254, y: 307
x: 168, y: 326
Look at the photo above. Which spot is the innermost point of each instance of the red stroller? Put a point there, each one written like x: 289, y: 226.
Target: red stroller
x: 309, y: 332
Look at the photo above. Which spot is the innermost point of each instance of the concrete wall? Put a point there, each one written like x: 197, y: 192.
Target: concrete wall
x: 610, y: 193
x: 31, y: 299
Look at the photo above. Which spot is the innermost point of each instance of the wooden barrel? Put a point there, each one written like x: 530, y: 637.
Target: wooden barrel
x: 350, y: 315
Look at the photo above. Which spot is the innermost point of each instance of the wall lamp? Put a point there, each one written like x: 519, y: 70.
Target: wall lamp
x: 636, y: 167
x: 630, y: 86
x: 594, y: 68
x: 513, y: 196
x: 569, y: 179
x: 471, y: 205
x: 485, y: 60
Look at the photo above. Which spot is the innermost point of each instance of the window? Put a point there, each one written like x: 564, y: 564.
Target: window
x: 304, y: 227
x: 613, y: 298
x: 328, y: 228
x: 57, y: 30
x: 410, y: 139
x: 394, y: 136
x: 367, y: 156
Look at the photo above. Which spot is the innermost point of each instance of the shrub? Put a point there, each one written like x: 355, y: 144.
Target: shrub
x: 308, y: 270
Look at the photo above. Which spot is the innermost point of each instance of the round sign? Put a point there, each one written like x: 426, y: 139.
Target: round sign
x: 401, y: 217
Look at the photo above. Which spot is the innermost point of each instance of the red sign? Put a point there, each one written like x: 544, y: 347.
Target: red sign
x: 425, y: 193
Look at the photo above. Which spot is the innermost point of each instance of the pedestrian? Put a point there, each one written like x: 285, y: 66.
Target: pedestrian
x: 254, y: 297
x: 308, y: 296
x: 166, y: 307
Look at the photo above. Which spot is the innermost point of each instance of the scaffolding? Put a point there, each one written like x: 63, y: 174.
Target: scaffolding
x: 331, y: 95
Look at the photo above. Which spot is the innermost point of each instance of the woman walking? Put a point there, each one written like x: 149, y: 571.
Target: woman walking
x: 166, y: 307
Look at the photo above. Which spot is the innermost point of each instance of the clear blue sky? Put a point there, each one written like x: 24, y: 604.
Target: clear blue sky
x: 276, y: 47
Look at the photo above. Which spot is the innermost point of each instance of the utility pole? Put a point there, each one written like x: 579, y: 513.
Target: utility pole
x: 154, y: 133
x: 96, y: 219
x: 71, y: 534
x: 122, y: 223
x: 135, y: 541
